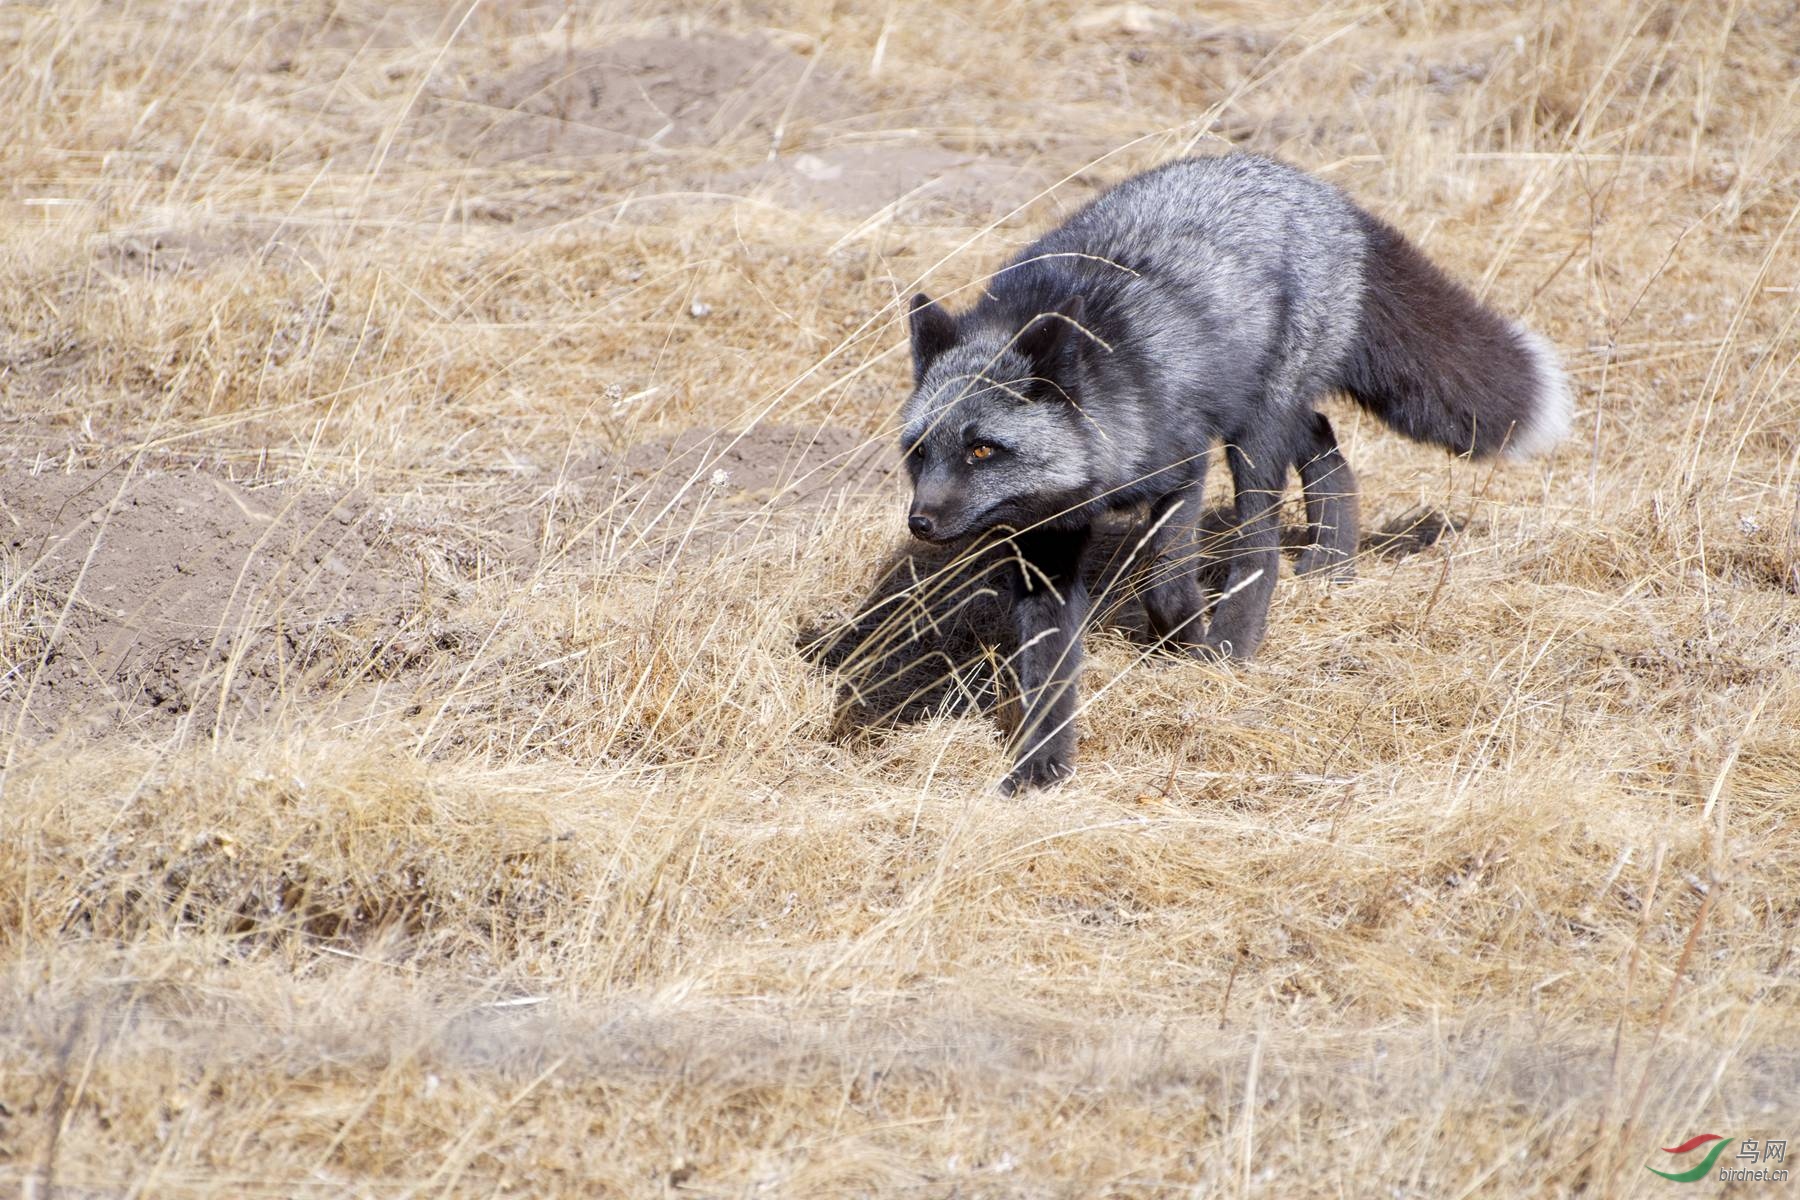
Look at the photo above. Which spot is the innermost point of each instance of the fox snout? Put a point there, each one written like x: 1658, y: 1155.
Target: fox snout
x: 933, y: 525
x: 937, y: 506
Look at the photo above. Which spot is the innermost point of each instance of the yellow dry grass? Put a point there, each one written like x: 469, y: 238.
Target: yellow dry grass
x: 1483, y: 879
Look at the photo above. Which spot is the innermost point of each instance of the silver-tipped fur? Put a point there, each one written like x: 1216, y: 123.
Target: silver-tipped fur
x: 1211, y: 301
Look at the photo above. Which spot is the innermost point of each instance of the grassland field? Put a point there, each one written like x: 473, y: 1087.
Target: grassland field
x: 424, y: 430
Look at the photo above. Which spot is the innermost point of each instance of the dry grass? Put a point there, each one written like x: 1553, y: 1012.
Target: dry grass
x: 1482, y: 880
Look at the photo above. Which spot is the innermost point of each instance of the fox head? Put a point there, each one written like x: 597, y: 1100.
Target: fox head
x: 992, y: 433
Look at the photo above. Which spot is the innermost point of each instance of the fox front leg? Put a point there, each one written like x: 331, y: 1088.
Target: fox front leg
x: 1171, y: 587
x: 1049, y: 603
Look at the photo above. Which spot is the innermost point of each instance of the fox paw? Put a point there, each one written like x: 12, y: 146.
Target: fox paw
x: 1217, y: 653
x: 1041, y: 771
x: 1220, y: 646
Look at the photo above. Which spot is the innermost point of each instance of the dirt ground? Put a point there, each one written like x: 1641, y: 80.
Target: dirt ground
x: 426, y: 432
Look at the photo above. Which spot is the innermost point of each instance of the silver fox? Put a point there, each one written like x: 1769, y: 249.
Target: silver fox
x: 1208, y: 300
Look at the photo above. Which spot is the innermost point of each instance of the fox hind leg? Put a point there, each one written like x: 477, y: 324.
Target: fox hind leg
x: 1259, y: 476
x: 1333, y: 518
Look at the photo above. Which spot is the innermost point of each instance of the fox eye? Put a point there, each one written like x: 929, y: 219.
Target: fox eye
x: 980, y: 452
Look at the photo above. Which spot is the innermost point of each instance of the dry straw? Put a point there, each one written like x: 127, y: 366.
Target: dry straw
x: 498, y: 844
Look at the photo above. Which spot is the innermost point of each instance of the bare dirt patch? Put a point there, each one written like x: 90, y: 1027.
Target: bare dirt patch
x: 153, y: 595
x: 649, y: 96
x: 161, y: 593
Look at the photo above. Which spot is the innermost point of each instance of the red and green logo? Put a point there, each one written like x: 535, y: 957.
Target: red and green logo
x: 1719, y: 1144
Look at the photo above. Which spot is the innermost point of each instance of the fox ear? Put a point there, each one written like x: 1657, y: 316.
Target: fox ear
x: 933, y: 332
x: 1046, y: 333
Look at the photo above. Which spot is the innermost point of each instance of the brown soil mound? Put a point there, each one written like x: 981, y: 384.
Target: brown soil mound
x: 635, y: 95
x: 159, y: 594
x: 155, y: 250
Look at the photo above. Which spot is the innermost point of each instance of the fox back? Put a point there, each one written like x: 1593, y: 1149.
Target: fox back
x: 1206, y: 300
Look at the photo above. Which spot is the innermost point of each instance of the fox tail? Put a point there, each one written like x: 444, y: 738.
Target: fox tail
x: 1439, y: 366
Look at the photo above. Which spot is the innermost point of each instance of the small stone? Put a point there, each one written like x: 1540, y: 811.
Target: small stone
x: 817, y: 169
x: 1131, y: 20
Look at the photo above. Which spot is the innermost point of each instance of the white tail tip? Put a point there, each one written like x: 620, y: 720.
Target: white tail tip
x: 1552, y: 403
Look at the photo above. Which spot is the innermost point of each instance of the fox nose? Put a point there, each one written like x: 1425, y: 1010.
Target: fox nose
x: 920, y: 524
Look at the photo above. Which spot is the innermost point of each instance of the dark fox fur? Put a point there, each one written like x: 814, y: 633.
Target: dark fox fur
x: 1438, y: 366
x: 1208, y: 301
x: 934, y: 637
